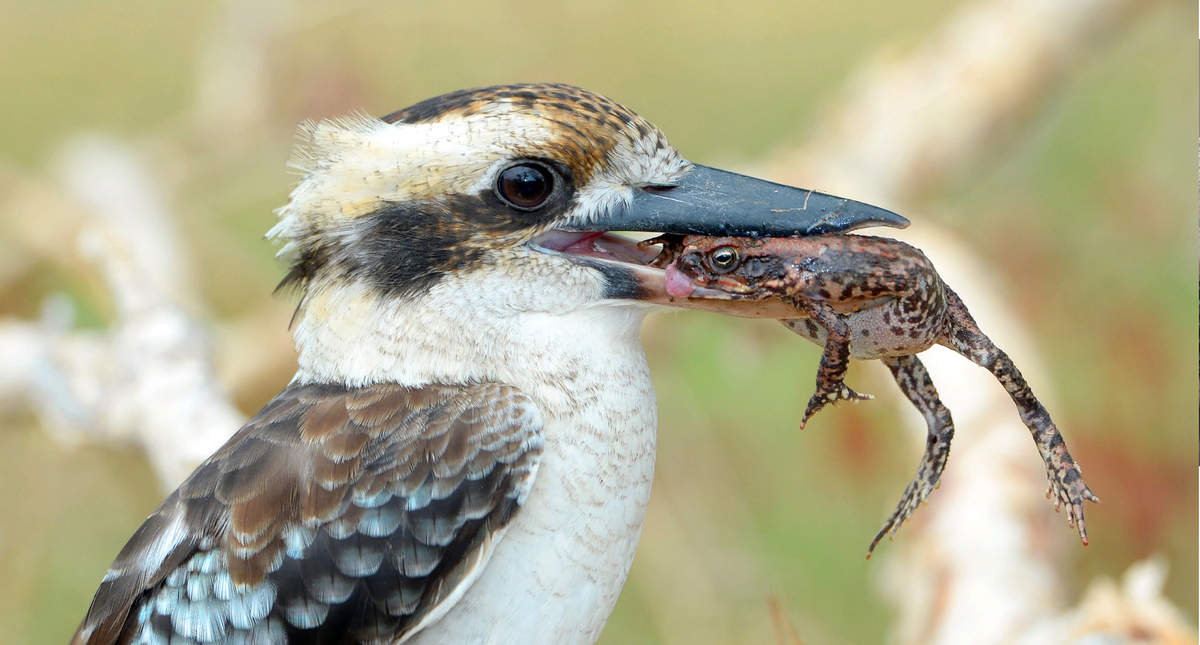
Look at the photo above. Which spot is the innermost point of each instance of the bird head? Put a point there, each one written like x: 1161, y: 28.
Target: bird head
x: 499, y: 202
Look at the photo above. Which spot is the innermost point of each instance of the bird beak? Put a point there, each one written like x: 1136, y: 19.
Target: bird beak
x: 712, y: 202
x: 707, y: 201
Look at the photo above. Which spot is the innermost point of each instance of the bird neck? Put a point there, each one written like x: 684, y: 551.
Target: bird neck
x: 480, y: 327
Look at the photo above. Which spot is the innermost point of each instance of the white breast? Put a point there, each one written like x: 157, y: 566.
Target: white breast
x: 555, y: 575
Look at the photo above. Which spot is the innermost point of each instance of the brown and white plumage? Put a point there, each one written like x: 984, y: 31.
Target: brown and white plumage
x: 353, y: 511
x: 466, y: 451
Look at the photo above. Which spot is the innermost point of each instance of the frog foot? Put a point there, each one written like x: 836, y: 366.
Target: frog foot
x: 1068, y: 489
x: 826, y: 395
x: 913, y: 496
x: 927, y: 478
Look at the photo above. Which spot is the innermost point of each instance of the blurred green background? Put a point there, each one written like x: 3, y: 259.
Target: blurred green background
x: 1087, y: 211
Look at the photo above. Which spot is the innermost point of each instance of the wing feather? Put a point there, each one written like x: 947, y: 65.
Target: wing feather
x: 336, y: 514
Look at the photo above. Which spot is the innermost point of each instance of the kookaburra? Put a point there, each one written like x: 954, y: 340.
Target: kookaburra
x: 465, y: 453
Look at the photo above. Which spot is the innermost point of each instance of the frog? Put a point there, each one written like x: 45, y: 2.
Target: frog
x: 872, y: 298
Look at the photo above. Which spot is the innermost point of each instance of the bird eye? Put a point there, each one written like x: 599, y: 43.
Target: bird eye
x: 525, y: 186
x: 723, y: 259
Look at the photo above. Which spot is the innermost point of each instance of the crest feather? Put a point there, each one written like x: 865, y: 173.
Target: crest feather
x: 320, y: 138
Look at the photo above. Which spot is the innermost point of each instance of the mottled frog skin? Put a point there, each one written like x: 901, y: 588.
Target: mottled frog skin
x: 872, y: 298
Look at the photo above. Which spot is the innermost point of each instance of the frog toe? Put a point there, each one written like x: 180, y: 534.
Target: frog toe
x: 854, y: 397
x: 825, y: 396
x: 814, y: 406
x: 1069, y: 491
x: 913, y: 497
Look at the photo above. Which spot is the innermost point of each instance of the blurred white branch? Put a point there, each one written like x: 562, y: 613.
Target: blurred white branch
x: 233, y: 70
x: 149, y: 379
x: 233, y: 65
x: 907, y: 124
x: 1134, y: 612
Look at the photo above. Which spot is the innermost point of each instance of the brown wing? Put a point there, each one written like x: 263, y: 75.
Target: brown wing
x: 335, y: 515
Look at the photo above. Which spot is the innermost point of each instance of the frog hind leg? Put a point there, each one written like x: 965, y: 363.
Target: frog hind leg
x: 835, y: 359
x: 918, y: 387
x: 1066, y: 485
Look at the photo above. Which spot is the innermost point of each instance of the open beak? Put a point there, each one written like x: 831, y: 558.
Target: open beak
x: 712, y: 202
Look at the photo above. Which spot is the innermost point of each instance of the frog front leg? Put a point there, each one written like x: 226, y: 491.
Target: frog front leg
x: 916, y: 385
x: 834, y: 360
x: 1066, y: 480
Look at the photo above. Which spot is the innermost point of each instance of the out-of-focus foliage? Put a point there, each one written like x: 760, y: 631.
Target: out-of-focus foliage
x: 1087, y: 214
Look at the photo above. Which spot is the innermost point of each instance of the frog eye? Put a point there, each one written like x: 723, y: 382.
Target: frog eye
x: 723, y: 259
